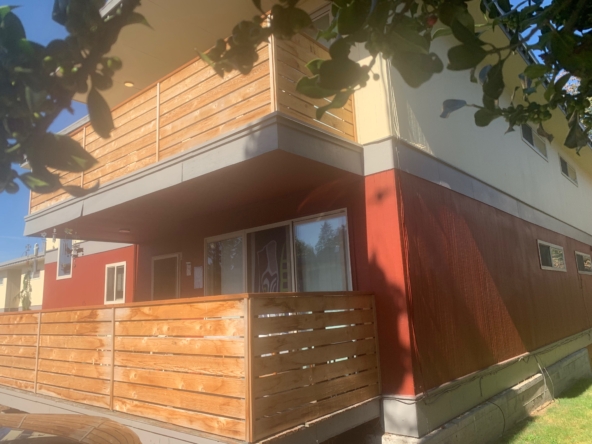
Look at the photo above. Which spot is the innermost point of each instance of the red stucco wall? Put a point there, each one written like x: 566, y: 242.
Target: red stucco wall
x: 478, y: 295
x: 87, y: 284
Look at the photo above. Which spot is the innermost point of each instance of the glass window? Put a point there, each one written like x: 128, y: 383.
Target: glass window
x: 115, y: 283
x: 584, y: 263
x: 269, y: 262
x: 65, y: 258
x: 534, y: 140
x: 321, y: 254
x: 568, y: 171
x: 551, y: 257
x: 225, y: 267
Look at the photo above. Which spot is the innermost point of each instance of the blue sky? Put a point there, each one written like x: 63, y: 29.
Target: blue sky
x: 36, y: 17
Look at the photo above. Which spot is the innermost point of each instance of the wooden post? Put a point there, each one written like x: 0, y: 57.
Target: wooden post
x: 376, y: 344
x: 272, y: 75
x: 112, y: 357
x: 37, y: 351
x: 157, y: 121
x: 249, y: 420
x: 83, y: 146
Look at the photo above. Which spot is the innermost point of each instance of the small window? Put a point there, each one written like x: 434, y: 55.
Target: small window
x: 535, y: 141
x: 584, y: 263
x: 568, y: 171
x: 65, y: 259
x: 551, y: 257
x: 115, y: 283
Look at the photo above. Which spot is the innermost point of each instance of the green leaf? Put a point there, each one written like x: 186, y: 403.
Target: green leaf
x: 100, y: 114
x: 257, y: 4
x: 536, y: 71
x: 13, y: 29
x: 463, y: 34
x: 135, y: 18
x: 451, y: 105
x: 441, y: 32
x: 339, y: 74
x: 298, y: 19
x: 314, y: 66
x: 339, y: 101
x: 576, y: 137
x: 41, y: 182
x: 339, y: 49
x: 543, y: 133
x: 309, y: 86
x: 405, y: 37
x: 416, y: 69
x: 352, y: 17
x: 6, y: 9
x: 484, y: 117
x: 549, y: 92
x: 62, y: 153
x: 463, y: 57
x: 494, y: 82
x: 483, y: 74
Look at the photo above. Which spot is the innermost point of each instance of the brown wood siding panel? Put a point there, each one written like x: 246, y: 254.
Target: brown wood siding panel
x: 28, y: 318
x: 74, y: 395
x: 189, y: 311
x: 75, y: 369
x: 76, y: 316
x: 188, y: 346
x: 291, y: 58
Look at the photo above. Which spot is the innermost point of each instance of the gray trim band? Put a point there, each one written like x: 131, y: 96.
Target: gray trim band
x: 392, y: 153
x: 270, y: 133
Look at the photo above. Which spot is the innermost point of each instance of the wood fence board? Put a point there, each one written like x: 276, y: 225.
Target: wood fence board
x: 13, y: 350
x: 281, y: 324
x: 232, y: 428
x: 188, y: 346
x: 278, y: 423
x: 208, y: 365
x: 315, y: 303
x: 18, y: 329
x: 292, y: 361
x: 196, y: 328
x: 73, y: 355
x: 76, y: 328
x: 204, y: 403
x: 216, y: 385
x: 185, y: 311
x: 74, y: 395
x: 17, y: 373
x: 312, y: 375
x: 23, y: 385
x: 13, y: 361
x: 18, y: 339
x: 312, y: 393
x: 76, y: 316
x: 75, y: 369
x: 25, y: 318
x: 81, y: 342
x: 74, y: 382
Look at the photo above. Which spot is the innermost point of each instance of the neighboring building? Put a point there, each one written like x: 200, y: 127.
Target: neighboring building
x: 475, y: 243
x: 86, y: 273
x: 12, y: 274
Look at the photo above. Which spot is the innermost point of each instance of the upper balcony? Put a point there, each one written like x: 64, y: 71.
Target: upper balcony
x: 193, y: 105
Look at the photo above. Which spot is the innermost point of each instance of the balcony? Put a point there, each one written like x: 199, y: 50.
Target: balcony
x: 241, y: 367
x: 192, y: 105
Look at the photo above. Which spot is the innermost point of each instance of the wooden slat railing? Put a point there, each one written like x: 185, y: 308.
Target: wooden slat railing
x: 243, y: 367
x: 193, y: 105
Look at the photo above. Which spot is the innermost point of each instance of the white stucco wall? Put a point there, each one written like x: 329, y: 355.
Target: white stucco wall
x: 504, y: 161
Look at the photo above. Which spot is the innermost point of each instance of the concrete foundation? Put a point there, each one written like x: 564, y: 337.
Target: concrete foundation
x: 486, y: 422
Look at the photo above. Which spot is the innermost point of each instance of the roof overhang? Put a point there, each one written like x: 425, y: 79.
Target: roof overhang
x: 268, y: 158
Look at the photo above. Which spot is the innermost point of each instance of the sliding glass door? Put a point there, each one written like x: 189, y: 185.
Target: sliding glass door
x: 310, y: 254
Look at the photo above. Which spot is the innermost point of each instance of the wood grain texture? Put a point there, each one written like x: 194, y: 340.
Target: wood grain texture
x: 74, y: 395
x: 192, y: 382
x: 233, y: 428
x: 76, y: 328
x: 201, y: 402
x: 96, y: 371
x: 189, y: 311
x: 25, y: 318
x: 76, y: 316
x: 74, y: 382
x: 207, y: 365
x: 195, y: 328
x: 75, y: 355
x: 188, y: 346
x: 281, y: 324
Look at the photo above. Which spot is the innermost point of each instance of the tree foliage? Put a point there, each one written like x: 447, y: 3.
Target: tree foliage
x: 38, y: 82
x: 555, y: 37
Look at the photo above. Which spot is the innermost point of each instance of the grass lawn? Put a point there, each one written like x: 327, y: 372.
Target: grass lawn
x: 567, y: 420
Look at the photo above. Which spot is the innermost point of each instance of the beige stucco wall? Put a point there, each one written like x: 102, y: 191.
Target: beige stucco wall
x: 16, y: 274
x: 504, y: 161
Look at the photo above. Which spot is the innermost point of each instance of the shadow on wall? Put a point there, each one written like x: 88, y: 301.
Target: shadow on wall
x: 478, y: 294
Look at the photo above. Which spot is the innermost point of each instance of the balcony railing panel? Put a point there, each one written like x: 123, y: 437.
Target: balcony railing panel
x: 243, y: 367
x: 193, y: 105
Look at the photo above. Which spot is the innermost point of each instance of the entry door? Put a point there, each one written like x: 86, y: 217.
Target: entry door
x: 165, y: 277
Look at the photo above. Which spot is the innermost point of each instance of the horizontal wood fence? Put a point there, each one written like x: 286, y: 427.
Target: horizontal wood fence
x: 193, y: 105
x: 244, y: 367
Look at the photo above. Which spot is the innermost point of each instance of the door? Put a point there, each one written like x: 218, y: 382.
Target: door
x: 165, y: 277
